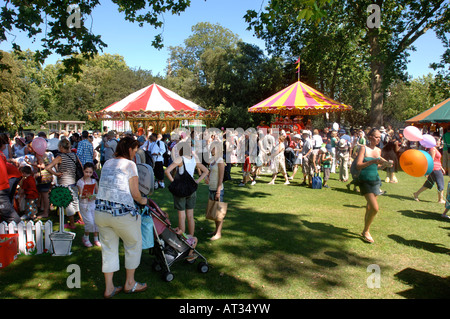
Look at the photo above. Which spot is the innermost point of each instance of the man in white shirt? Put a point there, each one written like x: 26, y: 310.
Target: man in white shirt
x: 308, y: 158
x: 269, y: 144
x: 317, y: 141
x: 157, y: 149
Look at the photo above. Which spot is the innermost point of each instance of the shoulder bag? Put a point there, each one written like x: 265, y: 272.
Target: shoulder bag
x: 183, y: 185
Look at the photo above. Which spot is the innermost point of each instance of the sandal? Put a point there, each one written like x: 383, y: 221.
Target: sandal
x: 134, y: 289
x: 115, y: 292
x: 192, y: 257
x: 367, y: 239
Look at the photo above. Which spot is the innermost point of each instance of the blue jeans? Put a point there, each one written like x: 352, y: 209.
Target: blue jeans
x: 212, y: 195
x: 435, y: 177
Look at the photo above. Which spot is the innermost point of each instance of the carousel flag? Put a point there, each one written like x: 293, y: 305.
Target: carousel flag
x: 298, y: 68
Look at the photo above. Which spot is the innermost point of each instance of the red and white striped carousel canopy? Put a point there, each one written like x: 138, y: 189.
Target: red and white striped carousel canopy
x: 153, y: 98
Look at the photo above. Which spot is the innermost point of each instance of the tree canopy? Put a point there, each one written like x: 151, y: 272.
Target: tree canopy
x: 62, y: 29
x: 326, y: 32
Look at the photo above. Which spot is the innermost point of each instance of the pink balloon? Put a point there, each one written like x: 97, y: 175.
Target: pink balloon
x: 412, y: 134
x: 428, y: 141
x: 39, y: 145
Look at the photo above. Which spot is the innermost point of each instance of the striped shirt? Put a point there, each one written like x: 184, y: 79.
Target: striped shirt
x: 67, y: 167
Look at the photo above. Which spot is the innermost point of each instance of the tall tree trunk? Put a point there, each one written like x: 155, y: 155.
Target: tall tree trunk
x: 377, y: 70
x: 377, y: 94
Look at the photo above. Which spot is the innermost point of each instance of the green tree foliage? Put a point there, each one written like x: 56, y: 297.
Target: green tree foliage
x: 11, y: 94
x: 56, y: 21
x: 36, y: 94
x: 383, y: 51
x: 407, y: 99
x: 217, y: 70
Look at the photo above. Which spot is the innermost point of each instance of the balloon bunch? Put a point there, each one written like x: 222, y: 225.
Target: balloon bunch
x: 413, y: 162
x: 413, y: 134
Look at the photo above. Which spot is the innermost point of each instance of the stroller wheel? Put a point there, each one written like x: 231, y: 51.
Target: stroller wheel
x: 203, y: 267
x: 168, y: 276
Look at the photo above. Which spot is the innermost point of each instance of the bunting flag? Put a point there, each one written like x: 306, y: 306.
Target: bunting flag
x: 298, y: 99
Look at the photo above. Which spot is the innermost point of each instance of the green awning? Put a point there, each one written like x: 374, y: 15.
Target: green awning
x: 440, y: 113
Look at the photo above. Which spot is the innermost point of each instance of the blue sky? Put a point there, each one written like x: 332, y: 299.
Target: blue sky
x: 134, y: 43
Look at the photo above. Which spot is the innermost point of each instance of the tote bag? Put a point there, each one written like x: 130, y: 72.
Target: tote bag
x: 316, y: 182
x: 183, y: 185
x: 147, y: 230
x: 216, y: 210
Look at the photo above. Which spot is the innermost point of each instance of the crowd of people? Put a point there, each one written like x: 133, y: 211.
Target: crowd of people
x: 109, y: 213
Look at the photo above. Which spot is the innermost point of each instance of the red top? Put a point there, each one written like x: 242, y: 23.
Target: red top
x: 4, y: 183
x: 247, y: 164
x: 29, y: 187
x: 437, y: 161
x: 11, y: 170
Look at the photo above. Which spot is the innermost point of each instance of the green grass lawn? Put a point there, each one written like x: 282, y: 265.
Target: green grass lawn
x: 279, y: 241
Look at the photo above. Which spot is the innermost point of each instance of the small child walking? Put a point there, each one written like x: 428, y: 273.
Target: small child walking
x: 326, y: 160
x: 246, y: 171
x: 87, y: 188
x: 28, y: 189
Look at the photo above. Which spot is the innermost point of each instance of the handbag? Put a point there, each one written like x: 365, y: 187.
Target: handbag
x: 147, y: 229
x: 44, y: 177
x: 353, y: 170
x: 216, y: 210
x: 183, y: 185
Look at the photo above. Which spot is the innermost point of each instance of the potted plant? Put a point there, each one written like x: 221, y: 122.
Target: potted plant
x: 61, y: 197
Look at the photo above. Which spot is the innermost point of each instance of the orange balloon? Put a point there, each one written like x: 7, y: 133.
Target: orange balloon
x: 414, y: 163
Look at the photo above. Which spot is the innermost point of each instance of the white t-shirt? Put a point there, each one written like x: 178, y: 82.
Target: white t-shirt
x: 190, y: 165
x: 157, y: 147
x: 114, y: 181
x: 317, y: 141
x: 52, y: 144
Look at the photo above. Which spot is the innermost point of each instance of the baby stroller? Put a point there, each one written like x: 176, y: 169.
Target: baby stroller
x: 170, y: 247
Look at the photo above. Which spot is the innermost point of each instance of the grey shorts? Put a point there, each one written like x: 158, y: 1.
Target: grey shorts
x: 183, y: 203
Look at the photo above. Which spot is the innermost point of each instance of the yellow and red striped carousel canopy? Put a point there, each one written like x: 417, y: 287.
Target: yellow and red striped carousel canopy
x: 298, y: 99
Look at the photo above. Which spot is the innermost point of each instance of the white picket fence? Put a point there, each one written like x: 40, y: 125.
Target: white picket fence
x: 36, y: 235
